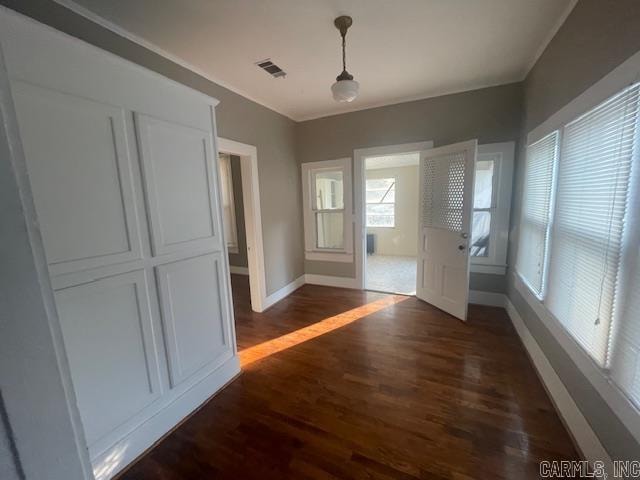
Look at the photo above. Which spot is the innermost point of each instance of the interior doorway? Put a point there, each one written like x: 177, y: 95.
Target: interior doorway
x: 391, y: 210
x: 238, y: 174
x: 387, y: 200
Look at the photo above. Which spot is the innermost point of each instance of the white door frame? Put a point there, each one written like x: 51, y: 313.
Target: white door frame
x: 360, y: 238
x: 252, y: 217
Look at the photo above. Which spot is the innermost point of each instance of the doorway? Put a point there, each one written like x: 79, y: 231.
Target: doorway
x: 387, y: 197
x: 246, y: 258
x: 391, y: 209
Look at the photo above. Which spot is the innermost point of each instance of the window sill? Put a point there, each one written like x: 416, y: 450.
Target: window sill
x: 491, y: 269
x: 341, y: 257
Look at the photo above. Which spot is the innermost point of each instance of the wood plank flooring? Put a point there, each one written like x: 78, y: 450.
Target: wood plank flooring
x: 343, y: 384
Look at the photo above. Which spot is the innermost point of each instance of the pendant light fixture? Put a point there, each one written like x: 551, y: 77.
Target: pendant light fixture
x: 346, y: 88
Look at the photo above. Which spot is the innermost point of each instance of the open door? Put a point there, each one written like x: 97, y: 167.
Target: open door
x: 446, y: 202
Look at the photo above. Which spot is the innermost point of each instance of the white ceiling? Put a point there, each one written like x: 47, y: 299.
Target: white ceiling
x: 398, y: 50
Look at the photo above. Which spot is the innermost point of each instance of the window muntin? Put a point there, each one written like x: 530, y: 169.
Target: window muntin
x: 380, y: 202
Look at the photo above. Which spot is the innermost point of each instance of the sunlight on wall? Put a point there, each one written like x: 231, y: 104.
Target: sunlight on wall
x: 262, y: 350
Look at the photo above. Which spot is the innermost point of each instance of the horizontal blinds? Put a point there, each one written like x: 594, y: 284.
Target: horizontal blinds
x: 592, y: 194
x: 536, y: 201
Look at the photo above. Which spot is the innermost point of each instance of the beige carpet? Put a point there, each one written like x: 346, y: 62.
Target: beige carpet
x: 386, y: 273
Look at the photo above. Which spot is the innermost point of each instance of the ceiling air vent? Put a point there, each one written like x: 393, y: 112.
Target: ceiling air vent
x: 271, y: 68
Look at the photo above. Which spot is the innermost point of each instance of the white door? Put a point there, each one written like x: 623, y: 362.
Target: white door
x: 446, y: 201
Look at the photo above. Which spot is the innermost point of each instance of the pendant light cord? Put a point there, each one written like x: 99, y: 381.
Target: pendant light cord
x: 344, y: 55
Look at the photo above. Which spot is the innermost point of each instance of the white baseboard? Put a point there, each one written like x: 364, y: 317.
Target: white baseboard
x: 330, y: 281
x: 487, y: 298
x: 239, y: 270
x: 283, y: 292
x: 583, y: 435
x: 110, y: 462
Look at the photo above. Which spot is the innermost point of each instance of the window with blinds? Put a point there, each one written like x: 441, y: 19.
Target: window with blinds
x: 591, y: 201
x: 536, y: 206
x: 579, y: 248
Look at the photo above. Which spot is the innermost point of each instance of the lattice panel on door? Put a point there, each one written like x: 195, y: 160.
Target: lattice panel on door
x: 443, y: 197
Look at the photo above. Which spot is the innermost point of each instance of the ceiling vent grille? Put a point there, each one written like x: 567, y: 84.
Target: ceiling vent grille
x: 271, y: 68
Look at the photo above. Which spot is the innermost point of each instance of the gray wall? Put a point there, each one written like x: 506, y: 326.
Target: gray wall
x: 596, y: 37
x: 238, y: 119
x: 238, y: 259
x: 489, y: 114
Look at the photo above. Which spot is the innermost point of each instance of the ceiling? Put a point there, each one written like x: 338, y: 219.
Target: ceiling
x: 399, y: 50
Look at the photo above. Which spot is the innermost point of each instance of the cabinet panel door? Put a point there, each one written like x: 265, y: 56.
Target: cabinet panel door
x: 179, y: 182
x: 108, y: 336
x: 194, y: 314
x: 80, y: 172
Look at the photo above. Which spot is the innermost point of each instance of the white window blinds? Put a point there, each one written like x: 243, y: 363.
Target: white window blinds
x: 592, y: 191
x: 536, y: 202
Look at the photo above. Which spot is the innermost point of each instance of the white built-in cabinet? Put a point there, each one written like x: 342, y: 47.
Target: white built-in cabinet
x: 122, y: 165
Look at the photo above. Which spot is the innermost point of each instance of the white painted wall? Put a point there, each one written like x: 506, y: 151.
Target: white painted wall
x: 401, y: 239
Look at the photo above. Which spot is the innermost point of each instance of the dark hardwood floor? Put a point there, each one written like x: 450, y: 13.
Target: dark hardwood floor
x: 359, y: 385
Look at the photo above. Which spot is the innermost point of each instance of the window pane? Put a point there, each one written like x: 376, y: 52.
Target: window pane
x: 376, y: 196
x: 483, y: 190
x: 330, y: 227
x: 329, y: 190
x: 380, y: 209
x: 380, y: 183
x: 481, y: 233
x: 380, y: 221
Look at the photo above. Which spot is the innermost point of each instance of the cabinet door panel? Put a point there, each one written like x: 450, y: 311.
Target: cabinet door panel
x: 80, y: 173
x: 194, y: 314
x: 179, y: 183
x: 108, y: 336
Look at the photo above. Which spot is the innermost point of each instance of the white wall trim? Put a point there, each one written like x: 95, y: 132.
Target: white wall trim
x: 583, y: 435
x: 490, y: 269
x: 359, y: 221
x: 239, y: 270
x: 252, y: 218
x: 285, y: 291
x: 490, y: 299
x: 610, y: 393
x: 331, y: 281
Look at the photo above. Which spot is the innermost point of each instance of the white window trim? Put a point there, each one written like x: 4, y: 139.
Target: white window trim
x: 496, y: 262
x: 312, y: 252
x: 623, y: 75
x: 395, y: 183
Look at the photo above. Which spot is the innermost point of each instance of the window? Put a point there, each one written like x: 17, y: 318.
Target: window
x: 483, y: 207
x: 587, y: 272
x: 536, y: 209
x: 491, y: 206
x: 327, y: 210
x: 381, y: 198
x: 591, y: 201
x: 228, y: 204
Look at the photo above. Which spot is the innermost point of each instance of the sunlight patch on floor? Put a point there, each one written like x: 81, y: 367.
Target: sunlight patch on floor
x: 262, y: 350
